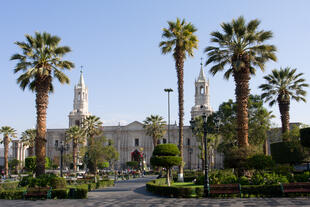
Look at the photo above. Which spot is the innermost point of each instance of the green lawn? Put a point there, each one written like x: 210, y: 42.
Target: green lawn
x: 185, y: 184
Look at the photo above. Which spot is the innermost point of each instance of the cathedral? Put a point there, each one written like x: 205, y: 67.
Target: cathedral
x: 132, y: 137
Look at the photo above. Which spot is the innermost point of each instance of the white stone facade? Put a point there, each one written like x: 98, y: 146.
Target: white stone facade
x: 133, y: 136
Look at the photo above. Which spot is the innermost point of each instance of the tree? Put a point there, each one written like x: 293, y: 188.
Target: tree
x: 166, y: 155
x: 91, y: 126
x: 40, y: 62
x: 240, y: 47
x: 180, y: 39
x: 95, y: 154
x: 13, y: 165
x: 8, y: 134
x: 28, y: 139
x: 259, y: 122
x: 155, y: 127
x: 76, y: 135
x: 111, y: 154
x: 282, y: 86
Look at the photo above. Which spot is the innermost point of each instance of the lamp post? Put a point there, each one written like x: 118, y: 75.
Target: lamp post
x: 168, y: 90
x: 62, y: 147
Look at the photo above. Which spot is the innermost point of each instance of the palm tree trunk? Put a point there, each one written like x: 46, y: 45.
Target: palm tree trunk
x: 40, y: 140
x: 284, y: 107
x: 154, y: 142
x: 6, y: 155
x: 179, y: 64
x: 74, y: 155
x: 265, y: 149
x: 242, y: 78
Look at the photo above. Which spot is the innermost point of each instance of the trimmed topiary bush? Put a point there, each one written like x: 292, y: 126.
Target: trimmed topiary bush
x: 305, y: 137
x: 287, y: 152
x: 58, y: 183
x: 60, y: 193
x: 166, y: 155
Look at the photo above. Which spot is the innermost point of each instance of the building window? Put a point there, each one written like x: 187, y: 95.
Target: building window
x: 77, y: 122
x: 164, y: 141
x: 79, y: 96
x: 202, y: 90
x: 188, y: 142
x: 136, y: 142
x: 56, y: 143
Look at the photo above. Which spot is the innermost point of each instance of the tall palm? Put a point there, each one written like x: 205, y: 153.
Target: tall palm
x: 155, y: 127
x: 8, y: 134
x: 91, y: 126
x: 179, y: 38
x: 28, y: 139
x: 240, y: 49
x: 76, y: 135
x: 282, y: 86
x: 40, y: 62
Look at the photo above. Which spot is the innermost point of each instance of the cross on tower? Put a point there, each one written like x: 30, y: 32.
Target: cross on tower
x: 81, y: 68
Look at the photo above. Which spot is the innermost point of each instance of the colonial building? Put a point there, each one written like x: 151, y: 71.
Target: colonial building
x: 132, y: 137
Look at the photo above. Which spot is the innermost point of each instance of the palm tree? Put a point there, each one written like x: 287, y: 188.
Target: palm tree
x: 181, y: 40
x: 40, y: 62
x: 28, y: 139
x: 8, y: 134
x: 282, y: 86
x: 91, y: 126
x: 240, y: 47
x: 76, y: 135
x: 155, y: 127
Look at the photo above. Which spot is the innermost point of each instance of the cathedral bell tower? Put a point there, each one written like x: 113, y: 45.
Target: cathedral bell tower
x: 80, y: 103
x: 202, y: 99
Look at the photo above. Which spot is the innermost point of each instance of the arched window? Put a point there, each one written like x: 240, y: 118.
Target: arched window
x: 202, y: 90
x: 79, y: 96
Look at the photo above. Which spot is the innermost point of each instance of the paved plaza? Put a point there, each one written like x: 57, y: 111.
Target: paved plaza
x: 133, y: 193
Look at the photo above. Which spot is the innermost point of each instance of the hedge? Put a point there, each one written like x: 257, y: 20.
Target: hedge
x: 60, y: 193
x: 198, y: 191
x: 12, y: 194
x: 9, y: 185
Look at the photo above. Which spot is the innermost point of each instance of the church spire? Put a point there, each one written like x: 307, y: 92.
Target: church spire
x: 201, y: 76
x: 81, y: 81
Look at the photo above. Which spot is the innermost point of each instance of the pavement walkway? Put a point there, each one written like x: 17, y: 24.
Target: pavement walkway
x: 133, y: 193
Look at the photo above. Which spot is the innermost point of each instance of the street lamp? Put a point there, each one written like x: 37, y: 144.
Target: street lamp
x: 62, y: 147
x: 168, y: 90
x: 213, y: 129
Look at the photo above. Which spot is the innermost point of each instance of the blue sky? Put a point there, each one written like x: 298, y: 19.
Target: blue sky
x: 117, y: 43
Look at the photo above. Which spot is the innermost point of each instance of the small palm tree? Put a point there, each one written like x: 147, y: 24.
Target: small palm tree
x: 240, y: 47
x: 180, y: 39
x: 40, y: 62
x: 28, y: 139
x: 155, y: 127
x: 76, y: 135
x: 282, y: 86
x: 91, y: 126
x: 8, y: 134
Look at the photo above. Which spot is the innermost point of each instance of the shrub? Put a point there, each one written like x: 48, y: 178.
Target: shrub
x: 132, y: 164
x: 244, y: 180
x: 12, y: 194
x: 25, y: 181
x: 287, y: 152
x: 60, y: 193
x: 170, y: 191
x: 267, y: 179
x: 9, y: 185
x: 237, y: 157
x: 305, y: 137
x: 78, y: 191
x: 303, y: 177
x: 219, y: 177
x: 30, y: 163
x: 260, y: 162
x: 106, y: 183
x: 102, y: 165
x: 166, y: 150
x: 58, y: 182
